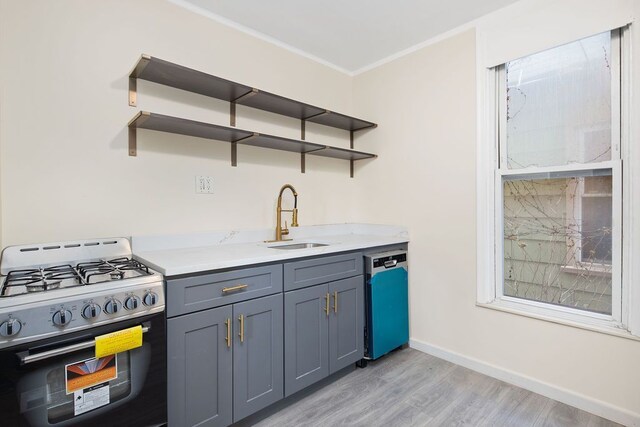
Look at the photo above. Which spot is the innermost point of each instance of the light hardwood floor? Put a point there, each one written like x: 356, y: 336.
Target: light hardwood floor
x: 410, y: 388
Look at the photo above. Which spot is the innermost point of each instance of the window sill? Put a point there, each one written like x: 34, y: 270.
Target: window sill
x: 600, y: 270
x: 595, y: 323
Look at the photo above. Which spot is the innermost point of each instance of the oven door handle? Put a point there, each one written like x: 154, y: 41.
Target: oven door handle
x: 26, y: 358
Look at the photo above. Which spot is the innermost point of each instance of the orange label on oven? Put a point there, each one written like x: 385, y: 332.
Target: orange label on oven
x: 119, y: 341
x: 86, y: 373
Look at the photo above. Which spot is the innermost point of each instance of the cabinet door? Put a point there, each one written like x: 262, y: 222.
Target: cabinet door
x: 258, y: 378
x: 199, y: 369
x: 346, y: 322
x: 305, y: 338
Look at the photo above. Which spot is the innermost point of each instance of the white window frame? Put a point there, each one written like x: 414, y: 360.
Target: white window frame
x: 623, y: 321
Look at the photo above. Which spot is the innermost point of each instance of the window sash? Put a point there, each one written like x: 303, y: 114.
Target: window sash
x: 501, y: 104
x: 616, y: 259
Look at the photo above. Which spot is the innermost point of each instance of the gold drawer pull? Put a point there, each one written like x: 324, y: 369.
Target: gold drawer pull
x: 335, y: 302
x: 228, y: 337
x: 241, y: 334
x: 234, y: 288
x: 326, y: 308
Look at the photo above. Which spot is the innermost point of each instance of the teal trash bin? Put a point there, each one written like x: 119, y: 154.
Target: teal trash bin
x: 387, y: 303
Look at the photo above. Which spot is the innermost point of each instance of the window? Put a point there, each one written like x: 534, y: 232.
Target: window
x: 556, y: 244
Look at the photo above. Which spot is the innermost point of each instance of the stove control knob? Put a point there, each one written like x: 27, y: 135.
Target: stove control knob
x: 149, y: 299
x: 112, y: 306
x: 132, y: 302
x: 61, y: 317
x: 91, y: 311
x: 10, y: 328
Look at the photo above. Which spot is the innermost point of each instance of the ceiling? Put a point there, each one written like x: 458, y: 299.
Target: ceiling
x: 350, y: 35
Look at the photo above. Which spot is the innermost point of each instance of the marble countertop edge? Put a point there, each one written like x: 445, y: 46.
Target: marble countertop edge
x: 206, y: 255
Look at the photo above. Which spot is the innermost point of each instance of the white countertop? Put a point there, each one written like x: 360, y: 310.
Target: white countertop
x: 172, y: 255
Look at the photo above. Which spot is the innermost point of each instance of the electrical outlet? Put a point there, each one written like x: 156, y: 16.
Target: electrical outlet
x: 204, y: 184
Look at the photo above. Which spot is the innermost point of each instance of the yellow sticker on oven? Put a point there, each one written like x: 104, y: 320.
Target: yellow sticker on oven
x: 118, y: 341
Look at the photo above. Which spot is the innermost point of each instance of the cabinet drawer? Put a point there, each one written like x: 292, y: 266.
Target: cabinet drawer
x: 201, y: 292
x: 311, y: 272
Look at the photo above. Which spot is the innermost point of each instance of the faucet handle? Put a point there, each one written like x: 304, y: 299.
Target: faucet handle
x: 285, y: 230
x: 294, y: 221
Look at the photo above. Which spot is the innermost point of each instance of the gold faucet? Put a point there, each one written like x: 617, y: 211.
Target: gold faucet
x: 294, y: 222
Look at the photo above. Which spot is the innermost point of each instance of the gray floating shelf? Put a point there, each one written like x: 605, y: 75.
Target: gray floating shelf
x: 341, y: 121
x: 162, y: 123
x: 174, y: 75
x: 342, y: 153
x: 284, y: 144
x: 169, y: 74
x: 176, y: 125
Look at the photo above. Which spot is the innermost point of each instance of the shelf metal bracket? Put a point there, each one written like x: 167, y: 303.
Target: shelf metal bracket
x: 133, y: 79
x: 302, y: 136
x: 234, y: 154
x: 249, y: 94
x: 232, y: 105
x: 232, y: 122
x: 234, y: 148
x: 303, y: 129
x: 133, y: 126
x: 133, y: 90
x: 351, y: 162
x: 133, y: 143
x: 324, y: 113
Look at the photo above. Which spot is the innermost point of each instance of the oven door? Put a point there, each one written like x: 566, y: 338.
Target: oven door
x: 44, y: 383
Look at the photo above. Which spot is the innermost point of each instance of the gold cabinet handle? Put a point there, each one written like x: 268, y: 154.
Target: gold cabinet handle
x: 241, y: 334
x: 234, y: 288
x: 228, y: 337
x: 326, y: 308
x: 335, y: 302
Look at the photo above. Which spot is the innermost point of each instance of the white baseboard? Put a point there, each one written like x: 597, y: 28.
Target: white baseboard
x: 588, y: 404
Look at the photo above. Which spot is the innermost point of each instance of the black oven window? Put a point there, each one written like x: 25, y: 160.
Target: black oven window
x: 59, y: 405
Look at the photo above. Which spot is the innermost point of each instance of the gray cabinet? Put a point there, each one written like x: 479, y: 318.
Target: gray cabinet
x: 324, y: 323
x: 305, y: 337
x: 346, y: 323
x: 199, y: 369
x: 237, y: 344
x: 258, y: 379
x: 226, y: 363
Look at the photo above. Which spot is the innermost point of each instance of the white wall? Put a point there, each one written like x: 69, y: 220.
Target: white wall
x: 65, y: 172
x: 425, y: 104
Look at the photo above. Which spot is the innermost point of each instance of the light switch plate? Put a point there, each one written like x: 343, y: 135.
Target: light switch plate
x: 204, y: 184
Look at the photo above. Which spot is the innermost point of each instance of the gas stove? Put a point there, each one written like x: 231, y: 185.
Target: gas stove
x: 56, y: 288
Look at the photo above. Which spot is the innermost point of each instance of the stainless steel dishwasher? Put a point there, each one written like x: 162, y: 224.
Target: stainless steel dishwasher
x: 387, y: 303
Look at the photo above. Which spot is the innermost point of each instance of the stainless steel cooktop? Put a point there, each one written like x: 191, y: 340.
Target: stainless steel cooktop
x: 56, y: 288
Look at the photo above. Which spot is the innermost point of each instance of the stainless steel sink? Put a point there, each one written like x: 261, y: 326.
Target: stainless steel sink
x: 298, y: 246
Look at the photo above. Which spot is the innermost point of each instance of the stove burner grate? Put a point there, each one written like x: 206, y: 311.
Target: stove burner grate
x: 115, y: 269
x: 40, y: 279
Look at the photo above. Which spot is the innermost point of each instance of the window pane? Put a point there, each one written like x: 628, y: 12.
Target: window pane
x: 557, y: 240
x: 596, y: 217
x: 559, y: 105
